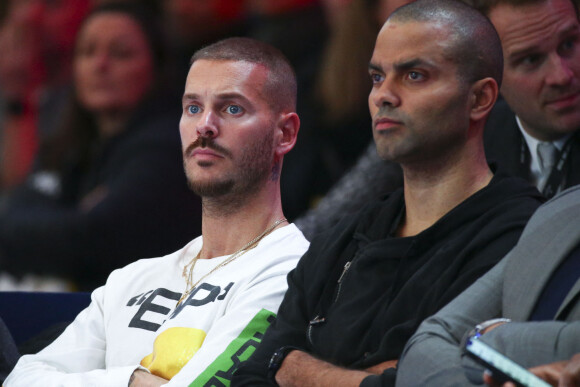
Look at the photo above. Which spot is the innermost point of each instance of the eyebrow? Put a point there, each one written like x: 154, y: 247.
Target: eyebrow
x: 226, y: 96
x: 403, y: 66
x: 223, y: 97
x: 188, y: 97
x: 409, y: 64
x: 573, y: 28
x: 375, y: 67
x: 517, y: 54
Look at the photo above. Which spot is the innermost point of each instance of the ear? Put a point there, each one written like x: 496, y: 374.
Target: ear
x: 482, y: 98
x: 286, y: 133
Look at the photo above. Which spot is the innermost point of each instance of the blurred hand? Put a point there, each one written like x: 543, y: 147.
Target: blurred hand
x: 379, y: 368
x: 93, y: 198
x: 558, y: 374
x: 142, y: 378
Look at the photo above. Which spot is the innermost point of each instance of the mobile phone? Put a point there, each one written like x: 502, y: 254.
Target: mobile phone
x: 502, y: 368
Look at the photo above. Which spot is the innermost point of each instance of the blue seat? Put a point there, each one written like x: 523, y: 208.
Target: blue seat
x: 26, y: 314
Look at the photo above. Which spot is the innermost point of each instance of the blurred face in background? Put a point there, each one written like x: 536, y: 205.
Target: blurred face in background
x: 55, y: 22
x: 194, y: 21
x: 36, y: 41
x: 113, y: 64
x: 187, y: 17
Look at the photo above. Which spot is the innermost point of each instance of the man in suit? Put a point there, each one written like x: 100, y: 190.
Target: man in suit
x: 536, y: 286
x: 541, y: 85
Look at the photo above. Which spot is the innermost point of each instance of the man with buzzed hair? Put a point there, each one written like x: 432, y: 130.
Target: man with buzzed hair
x: 279, y: 90
x: 364, y: 286
x: 191, y: 317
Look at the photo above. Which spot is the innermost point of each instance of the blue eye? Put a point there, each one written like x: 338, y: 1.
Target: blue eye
x: 415, y: 76
x: 234, y: 109
x: 376, y: 78
x: 193, y: 109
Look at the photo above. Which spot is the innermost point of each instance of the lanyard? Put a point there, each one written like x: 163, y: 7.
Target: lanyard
x: 556, y: 178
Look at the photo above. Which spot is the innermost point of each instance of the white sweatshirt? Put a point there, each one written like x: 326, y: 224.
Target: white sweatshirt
x: 134, y: 315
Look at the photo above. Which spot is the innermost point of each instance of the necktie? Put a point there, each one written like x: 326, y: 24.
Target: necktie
x: 547, y: 153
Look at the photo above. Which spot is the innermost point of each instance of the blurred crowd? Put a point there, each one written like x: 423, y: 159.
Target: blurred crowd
x: 90, y: 164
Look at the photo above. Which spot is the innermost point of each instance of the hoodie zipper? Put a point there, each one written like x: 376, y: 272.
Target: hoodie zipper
x: 342, y: 275
x: 321, y: 320
x: 315, y: 321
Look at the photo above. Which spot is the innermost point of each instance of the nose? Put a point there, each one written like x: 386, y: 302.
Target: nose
x: 99, y: 60
x: 102, y: 62
x: 384, y: 94
x: 207, y: 125
x: 559, y: 72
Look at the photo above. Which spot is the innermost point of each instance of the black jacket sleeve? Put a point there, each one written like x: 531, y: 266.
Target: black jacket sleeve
x: 289, y: 329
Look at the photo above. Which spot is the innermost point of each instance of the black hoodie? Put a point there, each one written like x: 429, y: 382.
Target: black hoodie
x: 360, y: 292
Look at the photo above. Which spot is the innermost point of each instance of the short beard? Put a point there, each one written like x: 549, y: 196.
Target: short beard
x: 253, y: 169
x: 211, y: 189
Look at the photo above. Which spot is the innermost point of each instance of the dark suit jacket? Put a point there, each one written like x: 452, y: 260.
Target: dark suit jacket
x: 503, y: 139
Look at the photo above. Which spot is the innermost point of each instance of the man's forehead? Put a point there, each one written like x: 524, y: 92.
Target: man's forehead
x: 525, y: 24
x: 227, y: 66
x: 216, y: 80
x: 226, y: 73
x: 410, y: 41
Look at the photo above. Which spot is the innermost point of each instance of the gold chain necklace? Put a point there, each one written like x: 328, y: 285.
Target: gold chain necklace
x: 248, y: 246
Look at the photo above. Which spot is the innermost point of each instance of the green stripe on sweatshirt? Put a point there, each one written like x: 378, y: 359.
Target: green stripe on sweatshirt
x: 220, y: 372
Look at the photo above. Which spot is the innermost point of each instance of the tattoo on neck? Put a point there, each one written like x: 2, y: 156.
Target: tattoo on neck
x: 275, y: 171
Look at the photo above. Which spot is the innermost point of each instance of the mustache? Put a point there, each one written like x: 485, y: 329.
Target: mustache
x: 390, y: 113
x: 208, y: 143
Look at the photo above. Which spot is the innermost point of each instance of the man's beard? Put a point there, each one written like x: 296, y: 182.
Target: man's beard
x: 252, y: 170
